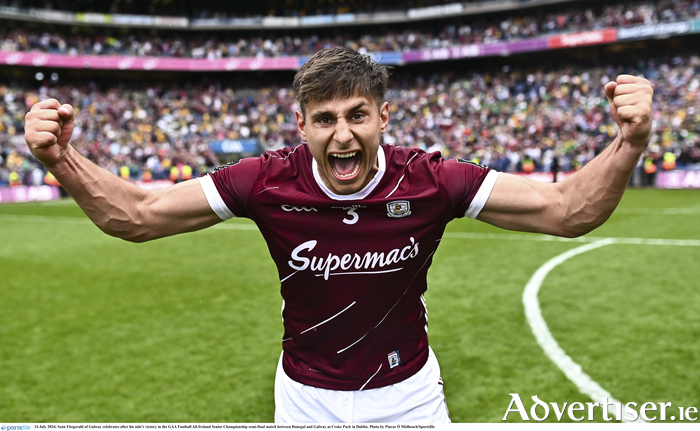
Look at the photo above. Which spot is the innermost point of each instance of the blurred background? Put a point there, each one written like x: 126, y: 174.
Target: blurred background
x: 186, y: 329
x: 168, y: 89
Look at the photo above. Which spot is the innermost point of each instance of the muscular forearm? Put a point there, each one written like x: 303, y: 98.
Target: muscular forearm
x: 110, y: 202
x: 591, y: 195
x: 117, y: 207
x: 571, y: 208
x: 585, y: 200
x: 123, y: 210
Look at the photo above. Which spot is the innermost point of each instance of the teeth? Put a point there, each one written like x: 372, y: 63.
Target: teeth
x: 344, y: 155
x: 354, y: 172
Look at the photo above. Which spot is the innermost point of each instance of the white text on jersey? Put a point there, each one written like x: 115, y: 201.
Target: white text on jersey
x: 349, y: 261
x: 293, y: 208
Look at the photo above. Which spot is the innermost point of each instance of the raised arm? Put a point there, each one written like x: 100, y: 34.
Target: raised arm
x: 586, y: 199
x: 117, y: 207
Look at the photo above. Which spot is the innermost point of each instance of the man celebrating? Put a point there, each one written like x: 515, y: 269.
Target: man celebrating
x: 352, y: 226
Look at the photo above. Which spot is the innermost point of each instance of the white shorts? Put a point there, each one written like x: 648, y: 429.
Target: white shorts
x: 418, y: 399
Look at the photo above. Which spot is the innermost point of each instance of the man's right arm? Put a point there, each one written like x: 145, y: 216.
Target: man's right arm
x: 117, y: 207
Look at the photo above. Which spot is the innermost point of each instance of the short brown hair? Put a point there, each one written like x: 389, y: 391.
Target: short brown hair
x: 337, y: 73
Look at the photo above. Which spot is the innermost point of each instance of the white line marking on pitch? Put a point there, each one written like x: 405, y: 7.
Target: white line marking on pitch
x: 633, y: 211
x: 544, y: 337
x: 584, y: 239
x: 229, y: 225
x: 658, y: 211
x: 571, y: 369
x: 44, y: 219
x: 86, y: 221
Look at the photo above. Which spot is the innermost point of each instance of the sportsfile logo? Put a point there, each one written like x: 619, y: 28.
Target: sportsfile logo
x: 15, y: 427
x: 577, y: 412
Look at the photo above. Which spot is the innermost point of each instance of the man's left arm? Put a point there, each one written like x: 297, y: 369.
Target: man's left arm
x: 586, y: 199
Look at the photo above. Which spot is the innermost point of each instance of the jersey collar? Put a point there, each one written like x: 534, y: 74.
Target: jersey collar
x: 362, y: 193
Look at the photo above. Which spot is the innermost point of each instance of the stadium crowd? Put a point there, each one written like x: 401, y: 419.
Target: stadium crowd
x: 467, y: 30
x: 511, y: 120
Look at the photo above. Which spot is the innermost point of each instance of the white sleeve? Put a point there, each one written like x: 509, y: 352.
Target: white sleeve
x: 482, y: 195
x: 214, y: 198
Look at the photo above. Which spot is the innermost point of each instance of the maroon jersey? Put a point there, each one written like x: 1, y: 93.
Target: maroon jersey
x: 352, y: 267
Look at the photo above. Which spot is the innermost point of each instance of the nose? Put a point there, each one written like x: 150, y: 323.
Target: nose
x: 342, y: 133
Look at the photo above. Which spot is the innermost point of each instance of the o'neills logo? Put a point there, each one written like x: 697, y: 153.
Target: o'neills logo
x: 369, y: 263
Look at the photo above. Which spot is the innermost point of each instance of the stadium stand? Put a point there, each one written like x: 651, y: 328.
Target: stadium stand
x: 398, y: 37
x: 515, y: 112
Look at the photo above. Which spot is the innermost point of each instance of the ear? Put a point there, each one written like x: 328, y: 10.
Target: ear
x: 301, y: 125
x: 384, y: 116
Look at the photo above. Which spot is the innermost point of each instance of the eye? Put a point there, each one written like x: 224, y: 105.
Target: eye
x: 358, y: 116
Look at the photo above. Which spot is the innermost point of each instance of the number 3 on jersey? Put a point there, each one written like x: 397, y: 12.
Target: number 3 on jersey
x: 354, y: 217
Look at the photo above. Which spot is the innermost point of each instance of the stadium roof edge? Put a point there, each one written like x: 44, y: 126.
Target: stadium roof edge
x: 274, y: 22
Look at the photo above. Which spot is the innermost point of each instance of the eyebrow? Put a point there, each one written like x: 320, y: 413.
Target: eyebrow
x: 317, y: 115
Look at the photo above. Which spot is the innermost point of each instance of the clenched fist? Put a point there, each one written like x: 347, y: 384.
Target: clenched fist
x: 47, y: 130
x: 630, y: 100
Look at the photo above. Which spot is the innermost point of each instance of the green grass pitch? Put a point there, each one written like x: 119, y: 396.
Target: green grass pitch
x: 188, y: 328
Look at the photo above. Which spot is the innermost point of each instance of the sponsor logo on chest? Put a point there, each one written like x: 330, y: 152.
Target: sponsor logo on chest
x: 347, y: 264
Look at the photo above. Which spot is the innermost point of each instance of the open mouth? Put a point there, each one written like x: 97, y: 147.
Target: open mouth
x: 345, y: 166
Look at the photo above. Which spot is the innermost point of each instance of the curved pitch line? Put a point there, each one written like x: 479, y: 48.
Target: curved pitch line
x: 571, y: 369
